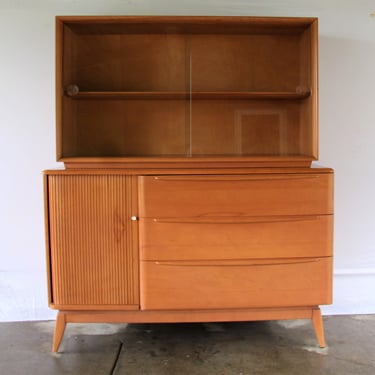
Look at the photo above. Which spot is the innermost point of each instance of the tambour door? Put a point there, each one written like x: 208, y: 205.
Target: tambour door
x: 236, y: 195
x: 93, y: 242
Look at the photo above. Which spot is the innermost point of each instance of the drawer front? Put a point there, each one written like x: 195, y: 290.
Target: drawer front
x: 254, y: 195
x: 235, y: 284
x: 235, y: 238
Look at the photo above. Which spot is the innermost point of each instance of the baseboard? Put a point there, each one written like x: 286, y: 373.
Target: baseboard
x: 23, y: 296
x: 353, y: 292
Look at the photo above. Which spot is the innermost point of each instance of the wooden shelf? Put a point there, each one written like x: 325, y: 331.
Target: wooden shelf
x: 199, y: 95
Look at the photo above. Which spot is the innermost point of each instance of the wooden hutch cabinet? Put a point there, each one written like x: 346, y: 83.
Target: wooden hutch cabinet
x: 188, y: 193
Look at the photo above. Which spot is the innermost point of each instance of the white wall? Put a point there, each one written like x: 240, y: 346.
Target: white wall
x: 27, y: 134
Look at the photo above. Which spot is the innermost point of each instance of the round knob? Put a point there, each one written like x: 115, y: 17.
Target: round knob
x: 133, y: 218
x: 72, y: 90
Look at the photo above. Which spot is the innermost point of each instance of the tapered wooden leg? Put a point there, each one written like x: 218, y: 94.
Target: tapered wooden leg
x: 59, y: 331
x: 318, y: 326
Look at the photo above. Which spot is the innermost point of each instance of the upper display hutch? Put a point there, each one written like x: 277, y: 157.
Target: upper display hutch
x: 187, y: 90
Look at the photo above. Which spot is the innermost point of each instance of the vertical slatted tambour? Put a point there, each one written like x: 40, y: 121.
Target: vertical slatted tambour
x: 92, y: 240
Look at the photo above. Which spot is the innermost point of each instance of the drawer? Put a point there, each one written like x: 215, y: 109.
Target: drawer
x: 236, y: 195
x: 235, y: 238
x: 174, y: 285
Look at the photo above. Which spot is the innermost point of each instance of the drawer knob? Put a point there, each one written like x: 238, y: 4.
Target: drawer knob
x: 133, y: 218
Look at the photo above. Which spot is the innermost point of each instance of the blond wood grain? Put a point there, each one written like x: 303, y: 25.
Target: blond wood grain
x: 179, y: 316
x: 246, y: 195
x: 92, y: 240
x: 244, y: 128
x: 176, y: 316
x: 194, y: 165
x: 59, y: 330
x: 58, y: 92
x: 129, y: 62
x: 318, y: 326
x: 47, y: 237
x: 167, y: 95
x: 175, y: 169
x: 245, y: 62
x: 180, y: 238
x: 96, y: 307
x: 187, y: 24
x: 129, y: 128
x: 235, y: 284
x: 314, y: 87
x: 202, y: 129
x: 214, y: 65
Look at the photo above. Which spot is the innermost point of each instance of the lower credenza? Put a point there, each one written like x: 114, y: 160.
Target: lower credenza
x: 145, y: 247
